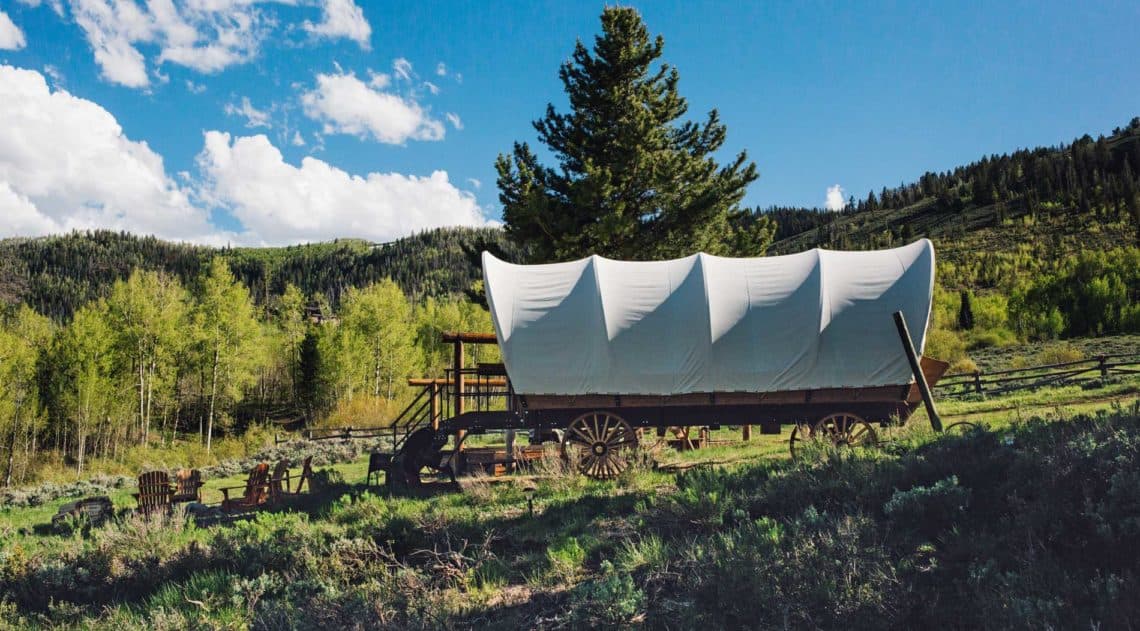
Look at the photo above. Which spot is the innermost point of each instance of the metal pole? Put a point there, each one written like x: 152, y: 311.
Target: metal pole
x: 916, y: 368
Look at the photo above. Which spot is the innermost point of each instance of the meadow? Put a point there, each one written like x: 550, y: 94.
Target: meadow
x: 1029, y: 522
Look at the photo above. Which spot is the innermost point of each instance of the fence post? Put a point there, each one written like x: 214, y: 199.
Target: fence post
x: 1102, y: 362
x: 978, y: 381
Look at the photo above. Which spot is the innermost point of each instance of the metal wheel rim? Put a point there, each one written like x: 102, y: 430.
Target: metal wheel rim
x: 595, y: 442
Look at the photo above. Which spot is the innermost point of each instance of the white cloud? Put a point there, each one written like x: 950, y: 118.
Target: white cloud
x: 431, y: 87
x: 453, y: 118
x: 342, y: 18
x: 298, y: 140
x: 403, y: 69
x: 204, y: 35
x: 253, y: 116
x: 347, y: 105
x: 279, y: 203
x: 195, y: 88
x: 441, y: 69
x: 475, y: 184
x: 835, y: 201
x: 66, y: 164
x: 11, y: 37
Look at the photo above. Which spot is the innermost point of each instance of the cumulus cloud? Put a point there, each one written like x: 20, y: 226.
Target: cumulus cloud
x: 347, y: 105
x: 204, y: 35
x: 279, y: 203
x: 11, y: 37
x: 342, y: 18
x: 253, y: 116
x: 298, y: 139
x: 835, y: 201
x: 66, y: 164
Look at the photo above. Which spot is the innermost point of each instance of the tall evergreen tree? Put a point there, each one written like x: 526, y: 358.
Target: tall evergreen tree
x: 634, y: 179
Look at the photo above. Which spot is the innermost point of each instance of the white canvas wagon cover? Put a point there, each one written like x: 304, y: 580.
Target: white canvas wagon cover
x: 818, y: 319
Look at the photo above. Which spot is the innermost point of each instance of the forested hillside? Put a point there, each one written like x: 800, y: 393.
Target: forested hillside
x: 56, y: 275
x: 1061, y: 199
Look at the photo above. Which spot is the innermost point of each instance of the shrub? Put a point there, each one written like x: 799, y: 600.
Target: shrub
x: 610, y: 601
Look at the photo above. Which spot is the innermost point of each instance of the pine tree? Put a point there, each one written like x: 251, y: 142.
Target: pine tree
x: 634, y: 180
x: 965, y: 312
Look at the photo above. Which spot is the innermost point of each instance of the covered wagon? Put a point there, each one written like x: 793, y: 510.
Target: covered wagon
x: 603, y: 350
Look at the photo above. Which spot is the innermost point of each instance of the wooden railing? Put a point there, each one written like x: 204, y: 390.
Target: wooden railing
x: 1003, y: 381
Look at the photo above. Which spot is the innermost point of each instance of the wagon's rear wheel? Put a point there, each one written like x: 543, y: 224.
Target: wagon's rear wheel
x: 597, y: 443
x: 841, y: 429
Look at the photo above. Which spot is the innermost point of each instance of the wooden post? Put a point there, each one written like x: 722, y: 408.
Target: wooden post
x: 458, y: 409
x: 434, y: 405
x: 1101, y: 360
x: 978, y: 381
x: 916, y: 368
x: 746, y: 432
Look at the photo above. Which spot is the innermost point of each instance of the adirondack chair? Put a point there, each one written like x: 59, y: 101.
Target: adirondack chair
x: 254, y: 493
x: 155, y: 492
x: 279, y: 482
x: 377, y: 464
x: 188, y: 486
x: 306, y: 475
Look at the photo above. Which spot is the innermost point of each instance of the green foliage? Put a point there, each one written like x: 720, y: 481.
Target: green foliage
x: 1094, y: 293
x: 610, y: 601
x: 376, y: 348
x: 634, y: 179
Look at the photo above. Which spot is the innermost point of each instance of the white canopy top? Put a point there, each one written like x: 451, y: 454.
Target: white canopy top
x: 818, y: 319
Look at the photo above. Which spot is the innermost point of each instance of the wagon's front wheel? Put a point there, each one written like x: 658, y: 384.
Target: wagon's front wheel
x: 597, y: 444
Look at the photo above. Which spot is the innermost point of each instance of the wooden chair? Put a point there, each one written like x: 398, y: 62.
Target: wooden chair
x: 188, y: 486
x: 306, y: 475
x: 279, y: 482
x: 254, y: 493
x: 155, y: 492
x: 377, y: 464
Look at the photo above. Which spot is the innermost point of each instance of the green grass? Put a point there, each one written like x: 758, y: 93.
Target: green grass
x: 652, y: 548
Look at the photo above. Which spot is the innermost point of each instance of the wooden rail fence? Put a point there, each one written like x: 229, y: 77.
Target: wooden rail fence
x: 1003, y: 381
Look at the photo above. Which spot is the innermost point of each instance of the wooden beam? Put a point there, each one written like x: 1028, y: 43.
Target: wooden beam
x: 423, y: 382
x: 453, y: 337
x: 916, y: 369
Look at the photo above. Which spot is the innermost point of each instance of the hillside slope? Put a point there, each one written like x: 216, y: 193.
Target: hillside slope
x: 1048, y: 202
x: 56, y: 274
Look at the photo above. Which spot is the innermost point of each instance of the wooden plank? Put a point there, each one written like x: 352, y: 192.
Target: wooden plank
x: 452, y: 337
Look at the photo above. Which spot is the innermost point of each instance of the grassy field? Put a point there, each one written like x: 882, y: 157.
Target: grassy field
x: 1026, y: 524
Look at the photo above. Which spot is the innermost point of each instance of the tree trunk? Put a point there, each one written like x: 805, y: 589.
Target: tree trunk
x: 213, y: 397
x: 149, y: 400
x: 11, y: 450
x: 142, y: 393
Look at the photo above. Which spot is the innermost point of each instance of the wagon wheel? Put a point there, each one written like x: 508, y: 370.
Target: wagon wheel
x: 841, y: 429
x: 594, y: 443
x: 961, y: 428
x: 801, y: 432
x: 844, y: 429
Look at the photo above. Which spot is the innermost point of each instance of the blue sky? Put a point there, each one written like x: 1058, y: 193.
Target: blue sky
x: 280, y: 122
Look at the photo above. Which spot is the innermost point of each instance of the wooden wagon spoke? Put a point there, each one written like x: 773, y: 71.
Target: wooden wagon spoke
x: 593, y: 443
